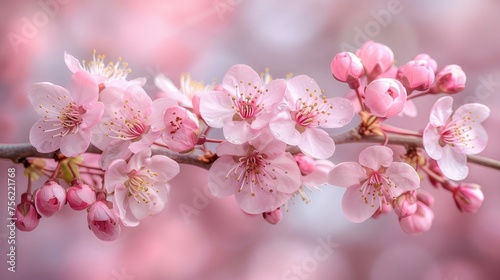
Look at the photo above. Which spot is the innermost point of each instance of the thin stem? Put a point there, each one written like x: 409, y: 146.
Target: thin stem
x: 397, y: 130
x: 415, y: 95
x: 211, y: 140
x: 361, y: 103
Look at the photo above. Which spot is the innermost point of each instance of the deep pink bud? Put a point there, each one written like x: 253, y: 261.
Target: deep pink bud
x: 419, y: 222
x: 80, y: 196
x: 468, y: 197
x: 50, y: 198
x: 429, y: 61
x: 103, y: 221
x: 405, y: 204
x: 417, y: 75
x: 451, y: 79
x: 385, y: 97
x: 346, y: 67
x: 27, y: 218
x: 273, y: 217
x: 306, y: 164
x: 376, y: 58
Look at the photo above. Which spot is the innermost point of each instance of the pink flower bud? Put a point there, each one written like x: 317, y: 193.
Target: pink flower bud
x: 425, y: 197
x: 384, y: 209
x: 27, y: 218
x: 405, y: 204
x: 346, y: 67
x: 468, y: 197
x: 417, y: 75
x: 50, y: 198
x: 451, y: 79
x: 306, y: 164
x: 273, y: 217
x: 385, y: 97
x: 103, y: 222
x: 376, y: 58
x: 419, y: 222
x: 429, y: 61
x: 80, y: 196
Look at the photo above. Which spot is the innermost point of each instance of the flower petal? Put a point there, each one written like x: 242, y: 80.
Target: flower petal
x: 75, y: 144
x: 241, y: 78
x: 287, y: 173
x: 165, y: 167
x: 219, y: 177
x: 375, y: 157
x: 283, y: 128
x: 316, y: 143
x: 114, y: 150
x: 347, y: 174
x: 44, y: 142
x: 453, y: 164
x: 83, y: 88
x: 115, y: 175
x: 216, y: 108
x: 44, y: 95
x: 139, y: 160
x: 72, y: 63
x: 342, y: 114
x: 441, y: 111
x: 354, y: 206
x: 478, y: 112
x: 430, y: 139
x: 404, y: 177
x: 239, y: 132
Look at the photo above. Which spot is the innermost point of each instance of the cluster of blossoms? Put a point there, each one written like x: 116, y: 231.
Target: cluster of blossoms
x: 275, y: 145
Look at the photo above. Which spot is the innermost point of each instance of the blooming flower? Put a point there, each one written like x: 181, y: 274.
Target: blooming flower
x: 244, y: 105
x: 260, y: 174
x: 139, y: 186
x: 131, y: 122
x: 450, y: 138
x: 385, y: 97
x: 103, y: 221
x: 68, y: 115
x: 181, y: 129
x: 305, y: 111
x: 50, y: 198
x: 374, y: 181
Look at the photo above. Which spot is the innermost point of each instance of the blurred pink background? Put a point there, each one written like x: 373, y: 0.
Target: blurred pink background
x: 205, y: 38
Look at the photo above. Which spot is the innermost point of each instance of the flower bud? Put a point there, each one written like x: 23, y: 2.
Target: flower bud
x: 376, y: 58
x: 419, y: 222
x: 429, y: 61
x: 385, y: 97
x: 451, y: 79
x: 405, y: 204
x: 103, y: 221
x: 468, y: 197
x: 50, y: 198
x: 80, y: 196
x: 273, y: 217
x: 417, y: 75
x: 346, y: 67
x: 306, y: 164
x: 27, y: 218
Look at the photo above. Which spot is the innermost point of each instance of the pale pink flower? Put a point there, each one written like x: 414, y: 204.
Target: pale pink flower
x: 50, y: 198
x: 419, y: 222
x: 103, y: 221
x: 468, y: 197
x: 27, y: 218
x: 260, y: 174
x: 131, y: 122
x: 139, y: 186
x: 347, y: 68
x: 188, y: 94
x: 80, y: 195
x: 374, y: 181
x: 305, y: 111
x: 417, y: 75
x: 405, y: 204
x: 451, y: 79
x: 377, y: 58
x: 244, y: 105
x: 68, y: 115
x: 385, y: 97
x: 450, y: 138
x: 273, y: 217
x: 181, y: 129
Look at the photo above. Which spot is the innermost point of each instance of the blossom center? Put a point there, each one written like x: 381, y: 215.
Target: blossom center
x: 459, y: 133
x: 312, y: 111
x: 70, y: 117
x: 111, y: 71
x: 247, y: 104
x: 377, y: 189
x: 140, y: 184
x: 127, y: 124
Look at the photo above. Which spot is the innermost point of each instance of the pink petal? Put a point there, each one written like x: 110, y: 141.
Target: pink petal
x: 145, y: 141
x: 378, y: 102
x: 218, y: 184
x: 93, y: 114
x: 288, y: 177
x: 283, y: 128
x: 441, y: 111
x: 403, y: 176
x: 43, y: 141
x: 453, y: 164
x: 216, y: 108
x: 297, y: 88
x: 260, y: 203
x: 354, y: 206
x: 242, y: 76
x: 478, y: 140
x: 410, y: 109
x: 139, y: 98
x: 165, y: 167
x: 114, y: 150
x: 316, y: 143
x: 138, y: 160
x: 160, y: 105
x: 342, y: 114
x: 274, y: 95
x: 138, y: 210
x: 72, y: 63
x: 46, y: 95
x: 347, y: 174
x: 430, y: 139
x: 83, y: 88
x: 375, y: 157
x: 123, y: 201
x: 269, y: 145
x: 75, y: 144
x: 320, y: 174
x: 478, y: 112
x: 227, y: 148
x: 115, y: 175
x: 238, y: 132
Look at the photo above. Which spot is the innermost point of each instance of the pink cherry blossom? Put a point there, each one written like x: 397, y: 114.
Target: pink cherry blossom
x: 305, y: 111
x: 405, y: 204
x: 139, y: 186
x: 27, y: 218
x: 451, y: 79
x: 450, y: 137
x: 103, y: 221
x: 374, y: 181
x: 377, y: 58
x: 347, y: 67
x: 430, y: 62
x: 131, y: 122
x: 260, y: 174
x: 80, y: 195
x: 50, y: 198
x: 419, y: 222
x: 68, y: 115
x: 417, y: 75
x: 468, y: 197
x: 181, y: 129
x: 385, y: 97
x: 244, y: 105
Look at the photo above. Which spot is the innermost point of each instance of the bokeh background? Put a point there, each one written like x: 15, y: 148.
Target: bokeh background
x: 213, y: 239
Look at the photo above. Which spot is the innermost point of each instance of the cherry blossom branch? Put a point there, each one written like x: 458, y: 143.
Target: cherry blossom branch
x: 18, y: 152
